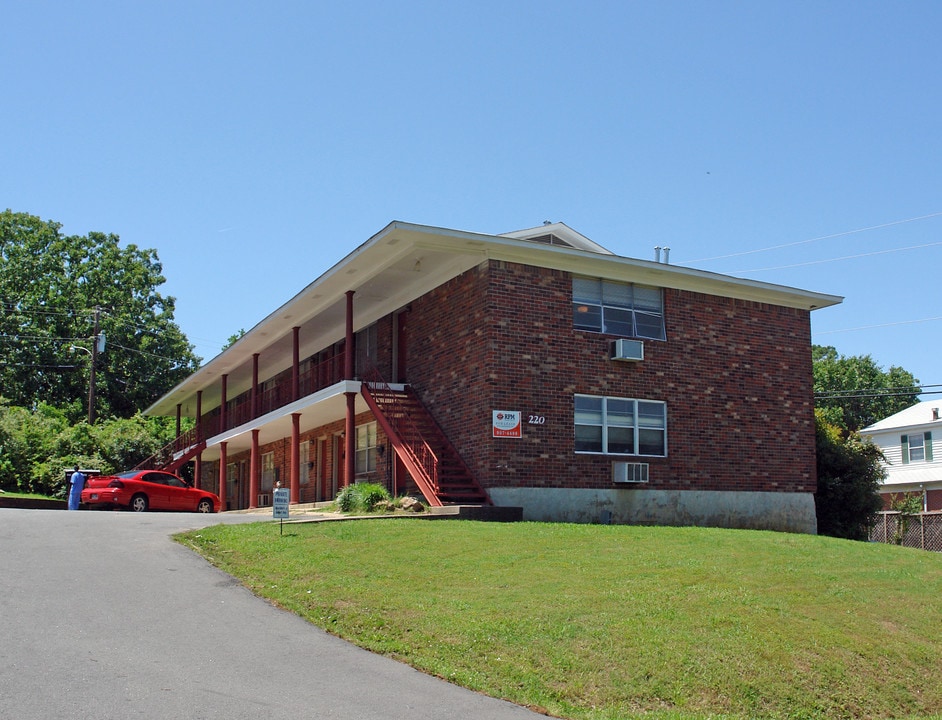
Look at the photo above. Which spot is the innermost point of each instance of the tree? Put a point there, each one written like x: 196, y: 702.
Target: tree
x: 849, y: 477
x: 233, y: 339
x: 908, y: 505
x: 27, y: 438
x: 53, y: 289
x: 38, y: 447
x: 855, y: 392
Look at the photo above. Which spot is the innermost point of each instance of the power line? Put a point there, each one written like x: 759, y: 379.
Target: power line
x: 36, y: 338
x: 45, y: 338
x: 838, y: 259
x: 882, y: 325
x: 45, y: 367
x: 878, y: 395
x: 68, y: 312
x: 816, y: 239
x: 892, y: 388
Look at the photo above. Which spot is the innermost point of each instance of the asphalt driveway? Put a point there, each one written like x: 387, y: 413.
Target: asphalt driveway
x: 103, y: 616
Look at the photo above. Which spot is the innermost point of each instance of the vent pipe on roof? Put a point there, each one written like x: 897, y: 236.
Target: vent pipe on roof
x: 935, y: 413
x: 657, y: 253
x: 667, y: 255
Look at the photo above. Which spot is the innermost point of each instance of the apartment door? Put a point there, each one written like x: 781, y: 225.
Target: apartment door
x: 232, y: 487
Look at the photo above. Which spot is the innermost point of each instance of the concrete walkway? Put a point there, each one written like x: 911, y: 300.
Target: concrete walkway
x: 102, y: 616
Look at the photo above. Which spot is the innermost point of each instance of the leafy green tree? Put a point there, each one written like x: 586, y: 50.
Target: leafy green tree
x: 38, y: 447
x: 908, y: 505
x: 233, y: 339
x: 27, y: 439
x: 53, y: 291
x: 855, y: 392
x: 849, y: 477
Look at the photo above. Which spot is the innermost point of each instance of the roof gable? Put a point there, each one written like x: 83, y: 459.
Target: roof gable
x: 558, y: 234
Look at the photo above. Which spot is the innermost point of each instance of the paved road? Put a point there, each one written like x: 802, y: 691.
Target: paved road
x: 102, y: 616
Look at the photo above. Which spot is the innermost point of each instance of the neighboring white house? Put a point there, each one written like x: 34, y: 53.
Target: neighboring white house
x: 909, y: 441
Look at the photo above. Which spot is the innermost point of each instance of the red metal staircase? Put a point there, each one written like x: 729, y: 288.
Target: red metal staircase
x: 435, y: 465
x: 175, y: 454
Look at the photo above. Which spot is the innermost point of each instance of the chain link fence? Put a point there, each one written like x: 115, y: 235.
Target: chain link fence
x: 922, y: 531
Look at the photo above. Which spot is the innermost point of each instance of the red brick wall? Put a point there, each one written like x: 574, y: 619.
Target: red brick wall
x: 933, y: 498
x: 736, y: 377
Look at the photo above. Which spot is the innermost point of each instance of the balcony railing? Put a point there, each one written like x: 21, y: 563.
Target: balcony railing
x: 314, y: 378
x: 239, y: 411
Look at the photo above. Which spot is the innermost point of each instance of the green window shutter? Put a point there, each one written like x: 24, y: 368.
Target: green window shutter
x: 928, y: 438
x: 904, y: 443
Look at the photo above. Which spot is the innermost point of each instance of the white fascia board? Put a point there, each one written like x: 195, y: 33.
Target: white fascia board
x: 616, y: 267
x: 398, y: 240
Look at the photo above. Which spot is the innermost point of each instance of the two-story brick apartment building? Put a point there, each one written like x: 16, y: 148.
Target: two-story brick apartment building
x: 534, y: 369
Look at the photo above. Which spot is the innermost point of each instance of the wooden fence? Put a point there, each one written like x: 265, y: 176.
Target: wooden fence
x: 922, y: 531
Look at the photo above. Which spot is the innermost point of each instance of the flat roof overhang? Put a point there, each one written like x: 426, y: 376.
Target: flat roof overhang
x: 315, y: 410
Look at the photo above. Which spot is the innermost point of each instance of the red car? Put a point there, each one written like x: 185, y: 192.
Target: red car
x: 141, y: 490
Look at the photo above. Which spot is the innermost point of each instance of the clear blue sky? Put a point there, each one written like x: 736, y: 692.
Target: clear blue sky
x: 253, y: 145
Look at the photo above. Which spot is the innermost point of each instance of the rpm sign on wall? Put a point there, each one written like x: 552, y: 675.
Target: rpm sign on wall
x: 507, y: 423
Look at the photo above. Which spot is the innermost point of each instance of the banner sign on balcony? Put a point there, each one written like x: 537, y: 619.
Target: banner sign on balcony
x: 506, y: 423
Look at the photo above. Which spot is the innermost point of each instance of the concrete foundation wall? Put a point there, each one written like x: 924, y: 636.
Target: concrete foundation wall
x: 787, y: 512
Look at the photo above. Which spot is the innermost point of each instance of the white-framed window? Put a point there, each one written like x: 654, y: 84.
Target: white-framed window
x: 618, y: 308
x: 366, y: 448
x: 916, y: 447
x: 268, y: 470
x: 620, y: 426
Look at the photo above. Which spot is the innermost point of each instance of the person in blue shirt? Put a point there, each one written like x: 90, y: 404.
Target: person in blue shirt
x: 76, y: 483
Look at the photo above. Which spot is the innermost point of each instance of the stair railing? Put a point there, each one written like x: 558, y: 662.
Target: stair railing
x: 164, y: 456
x: 412, y: 440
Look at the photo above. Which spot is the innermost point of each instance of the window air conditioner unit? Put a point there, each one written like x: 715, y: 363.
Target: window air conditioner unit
x: 629, y: 472
x: 627, y: 350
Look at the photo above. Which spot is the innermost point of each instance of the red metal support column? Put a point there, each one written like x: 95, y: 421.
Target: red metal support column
x: 348, y: 344
x: 296, y: 365
x: 253, y: 472
x: 199, y: 415
x: 223, y: 475
x: 254, y: 386
x: 222, y: 404
x: 179, y: 412
x: 350, y: 435
x: 295, y: 458
x: 198, y: 461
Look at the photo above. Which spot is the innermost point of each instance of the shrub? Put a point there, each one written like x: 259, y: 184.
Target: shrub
x: 371, y: 494
x: 346, y: 499
x: 361, y: 497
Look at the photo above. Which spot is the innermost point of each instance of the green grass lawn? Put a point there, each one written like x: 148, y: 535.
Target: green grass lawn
x: 592, y: 621
x: 27, y: 496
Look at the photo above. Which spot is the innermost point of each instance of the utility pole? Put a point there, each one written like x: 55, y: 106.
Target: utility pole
x: 91, y: 374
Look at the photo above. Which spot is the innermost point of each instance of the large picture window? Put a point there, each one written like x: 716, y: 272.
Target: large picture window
x: 620, y: 426
x: 618, y: 308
